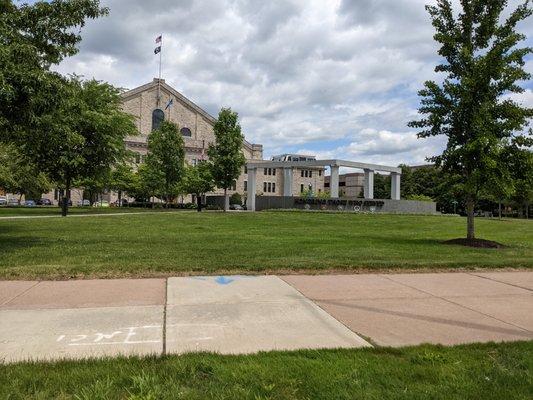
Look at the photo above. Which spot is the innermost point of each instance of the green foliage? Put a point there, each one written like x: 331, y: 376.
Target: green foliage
x: 235, y: 198
x: 198, y: 181
x: 323, y: 195
x: 482, y: 64
x: 148, y: 183
x: 33, y: 38
x: 419, y: 197
x: 123, y: 180
x: 382, y: 186
x: 225, y: 155
x: 166, y: 160
x: 18, y: 175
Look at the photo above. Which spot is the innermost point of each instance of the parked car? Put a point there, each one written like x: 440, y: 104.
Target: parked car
x: 102, y: 203
x: 83, y: 203
x: 3, y: 200
x: 44, y: 202
x: 236, y: 207
x: 12, y: 202
x: 29, y: 203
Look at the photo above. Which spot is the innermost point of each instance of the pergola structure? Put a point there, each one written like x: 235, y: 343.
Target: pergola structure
x: 288, y: 167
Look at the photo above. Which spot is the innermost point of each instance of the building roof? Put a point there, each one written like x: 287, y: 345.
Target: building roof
x: 184, y: 100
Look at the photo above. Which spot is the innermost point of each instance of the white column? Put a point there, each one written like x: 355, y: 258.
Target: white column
x: 287, y: 181
x: 250, y: 201
x: 395, y: 186
x: 334, y: 182
x: 369, y: 184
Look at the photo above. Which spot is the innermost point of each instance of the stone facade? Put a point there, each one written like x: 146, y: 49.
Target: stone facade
x: 191, y: 119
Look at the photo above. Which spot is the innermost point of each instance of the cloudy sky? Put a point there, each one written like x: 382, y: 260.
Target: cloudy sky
x: 335, y: 78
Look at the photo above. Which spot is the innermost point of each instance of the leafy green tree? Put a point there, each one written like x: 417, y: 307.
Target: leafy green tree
x: 166, y: 155
x: 482, y: 64
x: 225, y: 155
x: 381, y: 186
x: 85, y: 138
x: 147, y: 183
x: 94, y: 186
x: 18, y: 175
x: 199, y: 181
x: 122, y: 180
x: 34, y: 37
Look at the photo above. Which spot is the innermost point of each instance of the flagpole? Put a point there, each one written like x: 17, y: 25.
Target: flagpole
x: 159, y: 80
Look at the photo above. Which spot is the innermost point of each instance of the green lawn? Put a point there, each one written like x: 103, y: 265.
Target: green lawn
x: 188, y: 242
x: 479, y: 371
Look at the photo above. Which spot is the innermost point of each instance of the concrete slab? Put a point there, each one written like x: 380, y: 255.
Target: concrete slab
x: 11, y: 289
x: 411, y: 321
x: 513, y: 309
x: 338, y: 287
x: 247, y: 314
x: 523, y: 279
x: 91, y: 293
x: 79, y: 333
x: 455, y: 284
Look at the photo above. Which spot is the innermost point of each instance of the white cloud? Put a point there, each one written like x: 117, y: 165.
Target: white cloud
x: 335, y: 77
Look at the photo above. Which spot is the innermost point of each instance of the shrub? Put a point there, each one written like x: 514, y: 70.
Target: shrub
x: 235, y: 199
x: 419, y: 197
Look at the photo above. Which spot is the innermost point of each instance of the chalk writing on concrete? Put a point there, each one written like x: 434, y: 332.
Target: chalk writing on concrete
x: 129, y: 335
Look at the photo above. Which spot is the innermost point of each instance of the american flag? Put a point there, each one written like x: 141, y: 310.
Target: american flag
x: 158, y: 39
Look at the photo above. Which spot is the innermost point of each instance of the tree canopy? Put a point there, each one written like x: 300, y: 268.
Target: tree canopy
x: 225, y: 155
x: 166, y: 157
x: 482, y: 65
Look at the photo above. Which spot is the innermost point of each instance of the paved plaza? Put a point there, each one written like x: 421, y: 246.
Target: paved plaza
x: 246, y: 314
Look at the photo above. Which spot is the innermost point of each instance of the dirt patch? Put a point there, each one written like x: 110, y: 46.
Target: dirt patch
x: 481, y: 243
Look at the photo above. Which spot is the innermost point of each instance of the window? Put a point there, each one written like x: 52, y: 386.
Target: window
x: 234, y: 185
x: 264, y: 187
x: 137, y: 158
x: 158, y: 116
x: 245, y: 169
x: 265, y: 171
x: 302, y: 188
x: 302, y: 173
x: 185, y: 132
x: 245, y: 186
x: 273, y: 187
x: 269, y: 187
x: 310, y: 174
x: 274, y: 171
x: 319, y: 172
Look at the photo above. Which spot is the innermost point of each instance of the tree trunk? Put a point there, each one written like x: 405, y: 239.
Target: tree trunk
x: 199, y: 202
x: 470, y: 219
x: 226, y: 200
x: 500, y: 209
x: 66, y: 198
x: 120, y: 198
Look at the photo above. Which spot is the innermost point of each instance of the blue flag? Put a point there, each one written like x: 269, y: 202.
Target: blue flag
x: 170, y: 102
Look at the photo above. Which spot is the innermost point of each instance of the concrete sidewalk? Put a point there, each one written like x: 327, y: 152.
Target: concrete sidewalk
x: 244, y: 314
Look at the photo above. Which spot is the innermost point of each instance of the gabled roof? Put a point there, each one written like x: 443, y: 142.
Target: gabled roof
x: 184, y: 100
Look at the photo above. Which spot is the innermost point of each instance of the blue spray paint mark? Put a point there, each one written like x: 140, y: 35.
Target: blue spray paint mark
x: 222, y: 280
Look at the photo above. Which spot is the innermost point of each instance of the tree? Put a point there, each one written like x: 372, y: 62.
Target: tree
x: 381, y: 186
x: 482, y: 64
x: 147, y: 183
x: 85, y: 137
x: 33, y: 38
x: 199, y: 181
x: 166, y: 155
x: 18, y: 175
x: 225, y: 156
x: 122, y: 180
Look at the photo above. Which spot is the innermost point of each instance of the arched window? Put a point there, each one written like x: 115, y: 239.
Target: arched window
x: 158, y: 116
x: 186, y: 132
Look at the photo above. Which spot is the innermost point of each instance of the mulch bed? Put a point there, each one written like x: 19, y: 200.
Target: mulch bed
x: 482, y: 243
